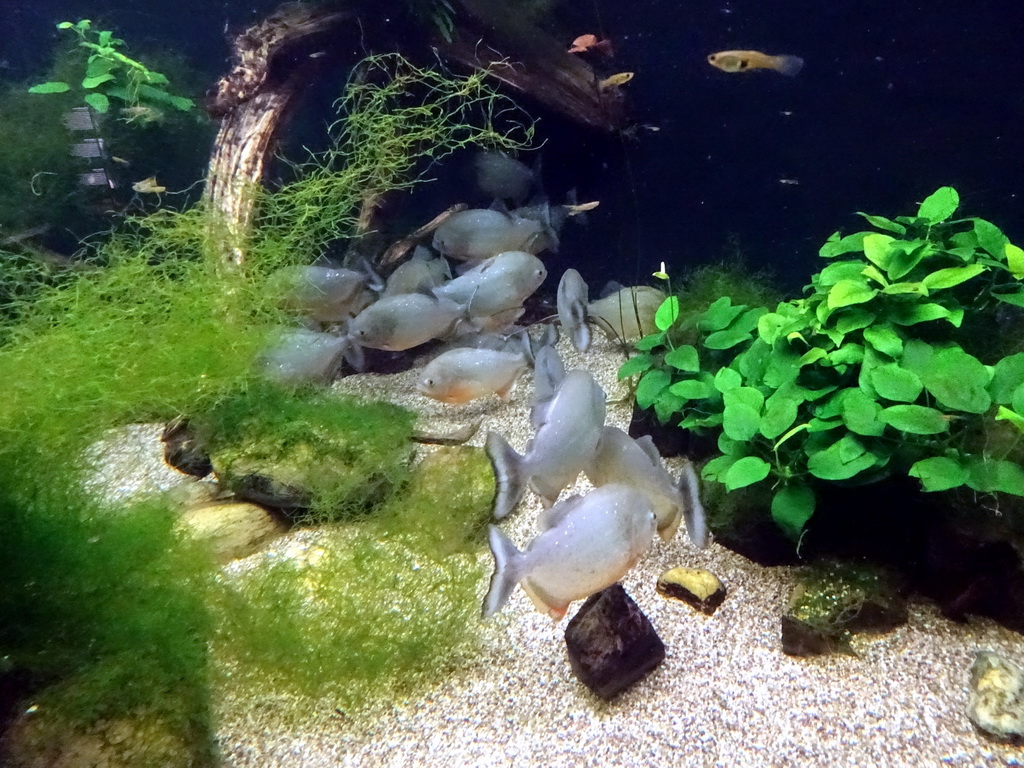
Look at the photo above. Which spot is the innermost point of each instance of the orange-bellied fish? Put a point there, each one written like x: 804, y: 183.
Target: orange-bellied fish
x: 463, y: 374
x: 745, y: 61
x: 587, y: 543
x: 614, y: 81
x: 585, y: 43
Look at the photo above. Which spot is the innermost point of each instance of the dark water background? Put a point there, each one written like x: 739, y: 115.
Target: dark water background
x: 896, y: 99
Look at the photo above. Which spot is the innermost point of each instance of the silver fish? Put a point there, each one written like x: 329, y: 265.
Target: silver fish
x: 418, y: 275
x: 568, y: 430
x: 636, y: 463
x: 460, y: 375
x: 587, y: 543
x: 572, y: 308
x: 504, y: 177
x: 300, y: 356
x: 627, y: 313
x: 322, y: 294
x: 498, y: 284
x: 401, y: 322
x: 480, y: 233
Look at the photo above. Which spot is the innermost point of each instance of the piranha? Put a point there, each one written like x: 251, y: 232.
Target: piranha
x: 300, y: 356
x: 572, y: 308
x: 480, y: 233
x: 323, y: 294
x: 745, y: 61
x: 585, y: 43
x: 505, y: 178
x: 420, y: 274
x: 397, y: 323
x: 496, y: 285
x: 568, y: 428
x: 460, y: 375
x: 627, y: 313
x: 636, y: 463
x: 614, y: 81
x: 586, y: 543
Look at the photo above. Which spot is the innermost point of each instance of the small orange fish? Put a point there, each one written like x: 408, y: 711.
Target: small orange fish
x: 585, y: 43
x: 745, y: 61
x: 615, y: 81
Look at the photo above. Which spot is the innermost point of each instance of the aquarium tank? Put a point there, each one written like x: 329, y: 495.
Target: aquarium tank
x: 493, y: 382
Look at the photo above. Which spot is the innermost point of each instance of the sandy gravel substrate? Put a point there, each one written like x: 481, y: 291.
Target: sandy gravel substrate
x: 725, y: 696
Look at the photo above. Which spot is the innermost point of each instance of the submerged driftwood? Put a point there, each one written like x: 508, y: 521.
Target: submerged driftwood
x: 491, y: 34
x: 274, y: 60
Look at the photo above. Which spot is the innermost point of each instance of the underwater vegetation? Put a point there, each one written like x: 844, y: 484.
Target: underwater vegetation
x: 887, y: 367
x: 112, y: 611
x: 110, y: 74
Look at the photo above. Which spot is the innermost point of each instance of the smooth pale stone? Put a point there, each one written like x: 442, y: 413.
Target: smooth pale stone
x: 696, y: 587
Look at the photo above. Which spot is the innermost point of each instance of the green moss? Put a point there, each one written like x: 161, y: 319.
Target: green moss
x: 832, y: 596
x: 342, y: 457
x: 112, y: 601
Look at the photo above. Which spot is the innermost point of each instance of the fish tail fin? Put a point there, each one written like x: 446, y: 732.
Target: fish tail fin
x: 507, y: 566
x: 509, y: 477
x: 789, y: 66
x: 696, y: 522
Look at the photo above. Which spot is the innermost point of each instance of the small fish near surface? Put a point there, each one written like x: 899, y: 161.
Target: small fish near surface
x: 615, y: 81
x: 587, y: 543
x: 747, y: 61
x: 148, y: 187
x: 586, y: 43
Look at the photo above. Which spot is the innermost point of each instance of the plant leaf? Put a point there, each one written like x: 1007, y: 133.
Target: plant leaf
x: 947, y: 278
x: 792, y: 507
x: 915, y: 419
x: 1005, y: 414
x: 847, y: 292
x: 877, y: 250
x: 692, y: 389
x: 651, y: 385
x: 1007, y: 375
x: 991, y: 238
x: 98, y: 101
x: 895, y: 383
x: 996, y: 476
x: 92, y: 82
x: 939, y: 473
x: 719, y: 315
x: 1015, y: 260
x: 636, y: 364
x: 727, y: 379
x: 746, y: 471
x: 840, y: 461
x: 51, y: 87
x: 883, y: 223
x: 939, y: 205
x: 667, y: 313
x: 957, y: 380
x: 884, y: 339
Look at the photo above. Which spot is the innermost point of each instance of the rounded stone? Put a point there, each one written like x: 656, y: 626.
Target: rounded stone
x: 698, y: 588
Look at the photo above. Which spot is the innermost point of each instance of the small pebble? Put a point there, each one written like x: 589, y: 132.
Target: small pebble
x: 698, y: 588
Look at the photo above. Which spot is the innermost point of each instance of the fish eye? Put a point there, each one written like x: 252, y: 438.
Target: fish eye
x: 428, y: 382
x: 743, y: 64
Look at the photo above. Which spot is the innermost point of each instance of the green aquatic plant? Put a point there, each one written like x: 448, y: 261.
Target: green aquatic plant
x: 871, y: 374
x: 395, y: 120
x: 343, y: 457
x: 109, y: 74
x: 369, y: 611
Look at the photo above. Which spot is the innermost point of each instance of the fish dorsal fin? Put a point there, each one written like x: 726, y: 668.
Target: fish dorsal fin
x: 552, y: 517
x: 548, y: 375
x: 646, y: 444
x: 499, y: 205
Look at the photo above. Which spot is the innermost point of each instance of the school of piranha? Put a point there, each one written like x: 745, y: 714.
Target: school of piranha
x: 586, y: 542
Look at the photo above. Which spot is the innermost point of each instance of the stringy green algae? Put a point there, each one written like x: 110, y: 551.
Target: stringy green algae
x: 150, y: 329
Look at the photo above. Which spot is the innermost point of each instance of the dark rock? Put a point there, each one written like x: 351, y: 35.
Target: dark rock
x: 696, y: 587
x: 611, y: 643
x: 182, y: 451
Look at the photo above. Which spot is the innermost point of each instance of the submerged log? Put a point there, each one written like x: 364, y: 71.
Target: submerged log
x: 491, y: 34
x: 274, y: 60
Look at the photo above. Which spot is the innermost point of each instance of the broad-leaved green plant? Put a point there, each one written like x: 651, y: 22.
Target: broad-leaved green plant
x: 864, y: 378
